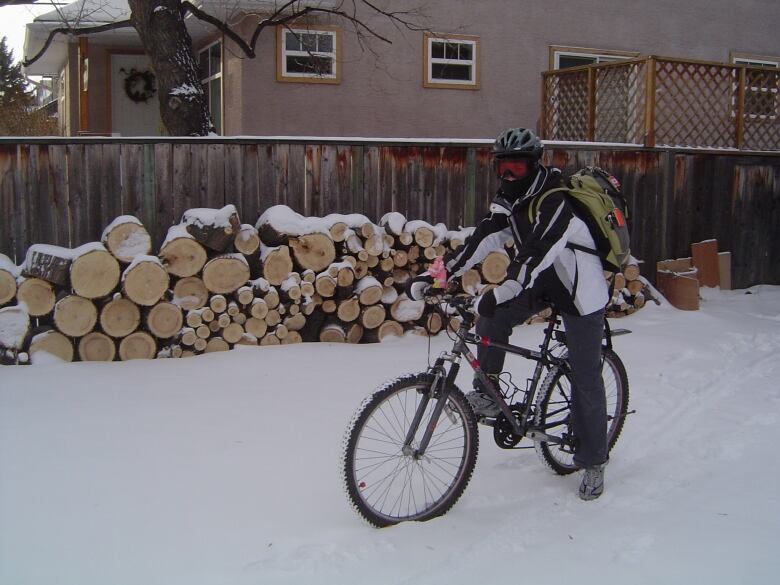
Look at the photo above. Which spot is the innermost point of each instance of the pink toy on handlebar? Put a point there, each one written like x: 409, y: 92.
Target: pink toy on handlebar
x: 439, y: 273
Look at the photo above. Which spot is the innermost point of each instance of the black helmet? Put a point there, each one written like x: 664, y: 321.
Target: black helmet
x: 518, y: 142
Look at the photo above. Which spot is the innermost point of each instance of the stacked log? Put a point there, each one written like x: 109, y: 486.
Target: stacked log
x: 215, y: 283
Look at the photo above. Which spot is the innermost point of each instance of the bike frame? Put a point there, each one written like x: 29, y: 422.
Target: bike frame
x: 444, y: 381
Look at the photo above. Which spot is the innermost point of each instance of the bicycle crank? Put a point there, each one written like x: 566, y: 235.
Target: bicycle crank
x: 503, y: 433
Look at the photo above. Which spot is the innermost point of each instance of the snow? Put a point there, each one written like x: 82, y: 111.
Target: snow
x: 8, y: 265
x: 393, y: 220
x: 60, y: 252
x: 204, y: 216
x: 14, y: 323
x: 174, y: 232
x: 121, y: 220
x: 223, y: 468
x: 141, y: 258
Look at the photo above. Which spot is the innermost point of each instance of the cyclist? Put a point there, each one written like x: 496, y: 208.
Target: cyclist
x: 551, y: 265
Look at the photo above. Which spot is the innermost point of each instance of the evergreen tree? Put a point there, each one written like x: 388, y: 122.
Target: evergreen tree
x: 17, y: 114
x: 13, y: 89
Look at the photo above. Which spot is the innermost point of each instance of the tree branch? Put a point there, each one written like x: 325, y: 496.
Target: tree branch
x: 75, y: 31
x: 223, y: 26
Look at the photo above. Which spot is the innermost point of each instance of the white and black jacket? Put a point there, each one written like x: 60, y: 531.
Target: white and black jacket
x: 547, y: 260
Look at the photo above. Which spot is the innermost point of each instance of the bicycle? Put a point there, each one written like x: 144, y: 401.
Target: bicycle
x: 411, y: 446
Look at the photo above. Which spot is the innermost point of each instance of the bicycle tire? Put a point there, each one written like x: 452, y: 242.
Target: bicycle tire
x: 387, y: 487
x: 554, y: 402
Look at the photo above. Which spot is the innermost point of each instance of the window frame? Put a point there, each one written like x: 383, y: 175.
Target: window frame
x: 207, y: 79
x: 755, y: 61
x: 428, y: 61
x: 608, y: 55
x: 281, y: 55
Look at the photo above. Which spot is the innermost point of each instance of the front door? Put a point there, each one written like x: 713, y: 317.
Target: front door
x: 135, y: 106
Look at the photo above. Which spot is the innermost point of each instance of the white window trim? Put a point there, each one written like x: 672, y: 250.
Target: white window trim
x: 281, y: 70
x: 430, y: 81
x: 210, y: 78
x: 601, y: 55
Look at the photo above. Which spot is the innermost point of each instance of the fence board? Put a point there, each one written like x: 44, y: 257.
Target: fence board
x: 65, y: 192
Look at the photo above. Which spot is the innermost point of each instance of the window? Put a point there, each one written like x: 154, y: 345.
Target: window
x: 451, y: 61
x: 308, y: 55
x: 762, y: 80
x: 566, y: 57
x: 210, y: 60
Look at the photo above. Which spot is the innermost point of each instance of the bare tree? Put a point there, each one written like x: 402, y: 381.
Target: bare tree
x: 160, y: 26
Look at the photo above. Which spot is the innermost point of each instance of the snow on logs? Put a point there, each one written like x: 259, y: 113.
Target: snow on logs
x: 215, y: 283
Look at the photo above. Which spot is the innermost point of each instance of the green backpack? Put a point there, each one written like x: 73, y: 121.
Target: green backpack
x: 598, y: 201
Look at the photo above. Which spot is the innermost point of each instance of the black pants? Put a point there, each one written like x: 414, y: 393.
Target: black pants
x: 584, y: 335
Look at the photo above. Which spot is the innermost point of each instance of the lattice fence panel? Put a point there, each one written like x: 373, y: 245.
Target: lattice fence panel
x: 762, y: 109
x: 694, y: 105
x: 620, y: 103
x: 566, y: 107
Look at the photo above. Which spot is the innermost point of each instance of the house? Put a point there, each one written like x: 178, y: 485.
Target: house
x: 474, y: 69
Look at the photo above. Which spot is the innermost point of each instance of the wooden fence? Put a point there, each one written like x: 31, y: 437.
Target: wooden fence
x: 65, y: 191
x: 658, y: 101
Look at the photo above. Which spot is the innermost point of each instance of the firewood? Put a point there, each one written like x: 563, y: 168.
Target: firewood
x: 187, y: 336
x: 361, y: 269
x: 354, y: 332
x: 200, y: 344
x: 348, y: 310
x: 635, y: 286
x: 259, y: 309
x: 423, y: 236
x: 214, y: 228
x: 289, y: 290
x: 240, y: 318
x: 292, y: 337
x: 245, y: 295
x: 49, y: 263
x: 164, y: 320
x: 7, y: 281
x: 307, y: 289
x: 280, y: 331
x: 50, y: 342
x: 273, y: 317
x: 138, y: 345
x: 145, y: 281
x: 338, y: 231
x: 233, y: 333
x: 471, y: 281
x: 94, y: 274
x: 247, y: 240
x: 387, y: 329
x: 38, y: 295
x: 97, y: 347
x: 631, y: 269
x: 181, y: 254
x: 119, y: 317
x: 225, y: 274
x: 247, y: 339
x: 295, y: 322
x: 313, y: 251
x: 493, y: 268
x: 255, y: 326
x: 190, y: 293
x: 222, y: 321
x: 373, y: 316
x: 389, y: 295
x: 619, y: 281
x: 126, y: 237
x: 393, y: 223
x: 354, y: 245
x: 203, y: 331
x: 233, y: 309
x: 216, y: 344
x: 432, y: 322
x: 325, y: 285
x: 218, y: 303
x: 333, y: 332
x: 374, y: 244
x: 329, y: 306
x: 270, y: 339
x: 277, y: 264
x: 369, y: 291
x: 75, y: 316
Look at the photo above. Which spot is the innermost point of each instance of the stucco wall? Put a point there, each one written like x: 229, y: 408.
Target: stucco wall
x: 386, y: 97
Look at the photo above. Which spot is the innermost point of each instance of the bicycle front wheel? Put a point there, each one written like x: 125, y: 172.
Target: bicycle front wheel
x: 553, y: 411
x: 385, y: 482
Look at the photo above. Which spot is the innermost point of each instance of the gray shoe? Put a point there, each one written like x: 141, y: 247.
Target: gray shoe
x: 592, y: 485
x: 482, y: 404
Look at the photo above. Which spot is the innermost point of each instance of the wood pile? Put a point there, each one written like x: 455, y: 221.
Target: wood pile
x: 215, y: 283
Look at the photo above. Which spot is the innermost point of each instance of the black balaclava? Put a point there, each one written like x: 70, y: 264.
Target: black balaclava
x: 512, y: 190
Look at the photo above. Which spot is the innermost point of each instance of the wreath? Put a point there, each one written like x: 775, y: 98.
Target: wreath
x: 139, y: 85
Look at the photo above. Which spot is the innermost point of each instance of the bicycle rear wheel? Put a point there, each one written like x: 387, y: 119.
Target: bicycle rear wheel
x: 387, y: 485
x: 553, y: 411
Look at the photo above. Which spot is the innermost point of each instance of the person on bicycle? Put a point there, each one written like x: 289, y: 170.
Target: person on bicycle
x: 554, y: 264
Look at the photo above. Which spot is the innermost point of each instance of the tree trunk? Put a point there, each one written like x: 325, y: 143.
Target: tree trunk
x: 183, y: 105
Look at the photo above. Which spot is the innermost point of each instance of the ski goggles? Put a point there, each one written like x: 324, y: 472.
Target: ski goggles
x: 515, y: 168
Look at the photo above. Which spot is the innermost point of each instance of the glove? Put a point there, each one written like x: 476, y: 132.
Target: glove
x: 485, y: 305
x: 417, y: 286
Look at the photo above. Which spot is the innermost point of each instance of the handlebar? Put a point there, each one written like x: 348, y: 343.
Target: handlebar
x: 461, y: 303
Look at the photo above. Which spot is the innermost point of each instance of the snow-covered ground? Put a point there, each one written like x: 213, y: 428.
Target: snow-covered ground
x: 223, y: 469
